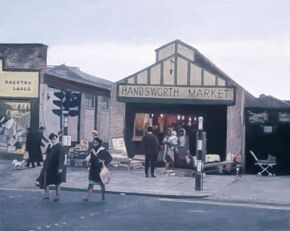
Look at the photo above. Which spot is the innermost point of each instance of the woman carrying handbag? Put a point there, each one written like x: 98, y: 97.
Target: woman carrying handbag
x: 97, y: 158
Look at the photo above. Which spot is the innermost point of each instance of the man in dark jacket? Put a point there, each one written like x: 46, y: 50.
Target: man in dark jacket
x: 150, y: 146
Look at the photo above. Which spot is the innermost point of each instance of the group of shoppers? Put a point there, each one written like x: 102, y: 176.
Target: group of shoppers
x: 34, y: 142
x: 175, y: 149
x: 54, y: 170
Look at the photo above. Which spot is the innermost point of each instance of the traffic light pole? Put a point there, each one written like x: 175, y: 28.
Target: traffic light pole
x: 199, y: 151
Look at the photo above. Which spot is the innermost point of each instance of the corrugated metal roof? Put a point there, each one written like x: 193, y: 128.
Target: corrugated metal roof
x: 76, y: 75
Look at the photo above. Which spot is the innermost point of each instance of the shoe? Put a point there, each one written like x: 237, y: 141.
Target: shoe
x: 45, y: 198
x: 146, y: 175
x: 39, y: 165
x: 56, y: 199
x: 85, y: 199
x: 153, y: 176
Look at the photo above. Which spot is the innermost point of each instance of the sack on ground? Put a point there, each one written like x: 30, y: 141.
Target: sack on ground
x: 105, y: 175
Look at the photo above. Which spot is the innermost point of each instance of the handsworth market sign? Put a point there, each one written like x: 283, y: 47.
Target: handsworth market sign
x: 225, y: 94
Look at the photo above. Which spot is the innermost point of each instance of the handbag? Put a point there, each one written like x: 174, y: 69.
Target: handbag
x: 105, y: 175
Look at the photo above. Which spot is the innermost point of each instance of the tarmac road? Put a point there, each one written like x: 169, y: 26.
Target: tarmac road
x: 26, y: 210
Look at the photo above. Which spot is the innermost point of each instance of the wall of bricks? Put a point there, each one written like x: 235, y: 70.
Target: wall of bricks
x: 117, y: 117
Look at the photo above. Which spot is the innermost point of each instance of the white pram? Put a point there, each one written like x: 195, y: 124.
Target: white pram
x: 265, y: 164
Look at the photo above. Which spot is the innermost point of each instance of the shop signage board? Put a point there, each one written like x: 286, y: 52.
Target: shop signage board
x: 18, y: 84
x: 119, y: 144
x: 127, y: 92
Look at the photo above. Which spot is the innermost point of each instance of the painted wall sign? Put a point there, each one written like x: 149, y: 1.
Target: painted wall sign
x: 17, y: 84
x: 176, y: 92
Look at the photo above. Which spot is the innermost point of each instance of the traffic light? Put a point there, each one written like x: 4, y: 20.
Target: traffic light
x: 75, y: 100
x: 59, y: 103
x: 71, y: 101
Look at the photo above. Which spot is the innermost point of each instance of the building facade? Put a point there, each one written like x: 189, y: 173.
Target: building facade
x: 91, y: 107
x: 21, y: 70
x: 29, y: 91
x: 172, y: 93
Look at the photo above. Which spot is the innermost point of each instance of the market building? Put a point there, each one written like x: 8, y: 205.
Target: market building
x: 172, y: 93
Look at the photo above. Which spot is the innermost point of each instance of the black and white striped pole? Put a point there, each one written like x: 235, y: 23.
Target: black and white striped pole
x: 199, y: 151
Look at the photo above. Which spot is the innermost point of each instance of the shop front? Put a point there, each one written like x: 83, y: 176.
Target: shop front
x: 172, y: 93
x: 20, y: 67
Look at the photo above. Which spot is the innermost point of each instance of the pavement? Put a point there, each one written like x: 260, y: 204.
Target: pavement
x: 177, y: 184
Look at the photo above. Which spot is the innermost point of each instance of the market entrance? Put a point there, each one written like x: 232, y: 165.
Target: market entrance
x: 164, y: 117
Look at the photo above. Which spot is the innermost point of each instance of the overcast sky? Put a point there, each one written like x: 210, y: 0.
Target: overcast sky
x: 249, y: 39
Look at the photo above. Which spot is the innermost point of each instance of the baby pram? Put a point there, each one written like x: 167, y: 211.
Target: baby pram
x: 265, y: 164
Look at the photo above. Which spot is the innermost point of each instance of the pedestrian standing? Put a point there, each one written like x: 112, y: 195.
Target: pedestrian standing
x: 182, y: 148
x: 39, y: 137
x: 150, y: 146
x: 170, y: 142
x: 97, y: 157
x: 54, y: 166
x: 29, y: 148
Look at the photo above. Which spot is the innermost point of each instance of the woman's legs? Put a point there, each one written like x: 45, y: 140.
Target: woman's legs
x: 102, y: 190
x: 57, y: 192
x: 46, y: 192
x: 89, y: 192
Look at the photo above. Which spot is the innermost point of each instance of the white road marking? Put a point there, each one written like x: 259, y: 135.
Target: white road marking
x: 222, y: 203
x: 196, y: 211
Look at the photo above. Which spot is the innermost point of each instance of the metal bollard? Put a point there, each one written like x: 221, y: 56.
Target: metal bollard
x: 199, y: 174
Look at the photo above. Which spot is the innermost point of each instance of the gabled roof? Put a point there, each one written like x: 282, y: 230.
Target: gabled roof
x: 76, y: 75
x: 177, y: 49
x: 199, y: 58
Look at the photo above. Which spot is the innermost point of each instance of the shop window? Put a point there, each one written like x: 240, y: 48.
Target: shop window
x: 141, y: 123
x: 14, y: 119
x: 160, y: 123
x: 89, y: 101
x: 105, y: 103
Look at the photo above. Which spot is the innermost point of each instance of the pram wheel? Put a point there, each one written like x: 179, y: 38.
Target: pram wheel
x: 259, y: 174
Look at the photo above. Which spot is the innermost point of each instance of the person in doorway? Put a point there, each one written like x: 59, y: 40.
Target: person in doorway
x: 182, y: 147
x: 29, y: 148
x: 97, y: 157
x: 170, y: 145
x: 150, y: 146
x: 54, y: 166
x: 39, y: 137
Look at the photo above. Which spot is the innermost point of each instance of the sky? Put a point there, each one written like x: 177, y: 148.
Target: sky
x: 249, y: 40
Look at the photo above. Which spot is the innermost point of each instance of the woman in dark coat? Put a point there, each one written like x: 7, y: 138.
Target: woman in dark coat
x: 29, y: 148
x: 96, y: 158
x: 53, y: 166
